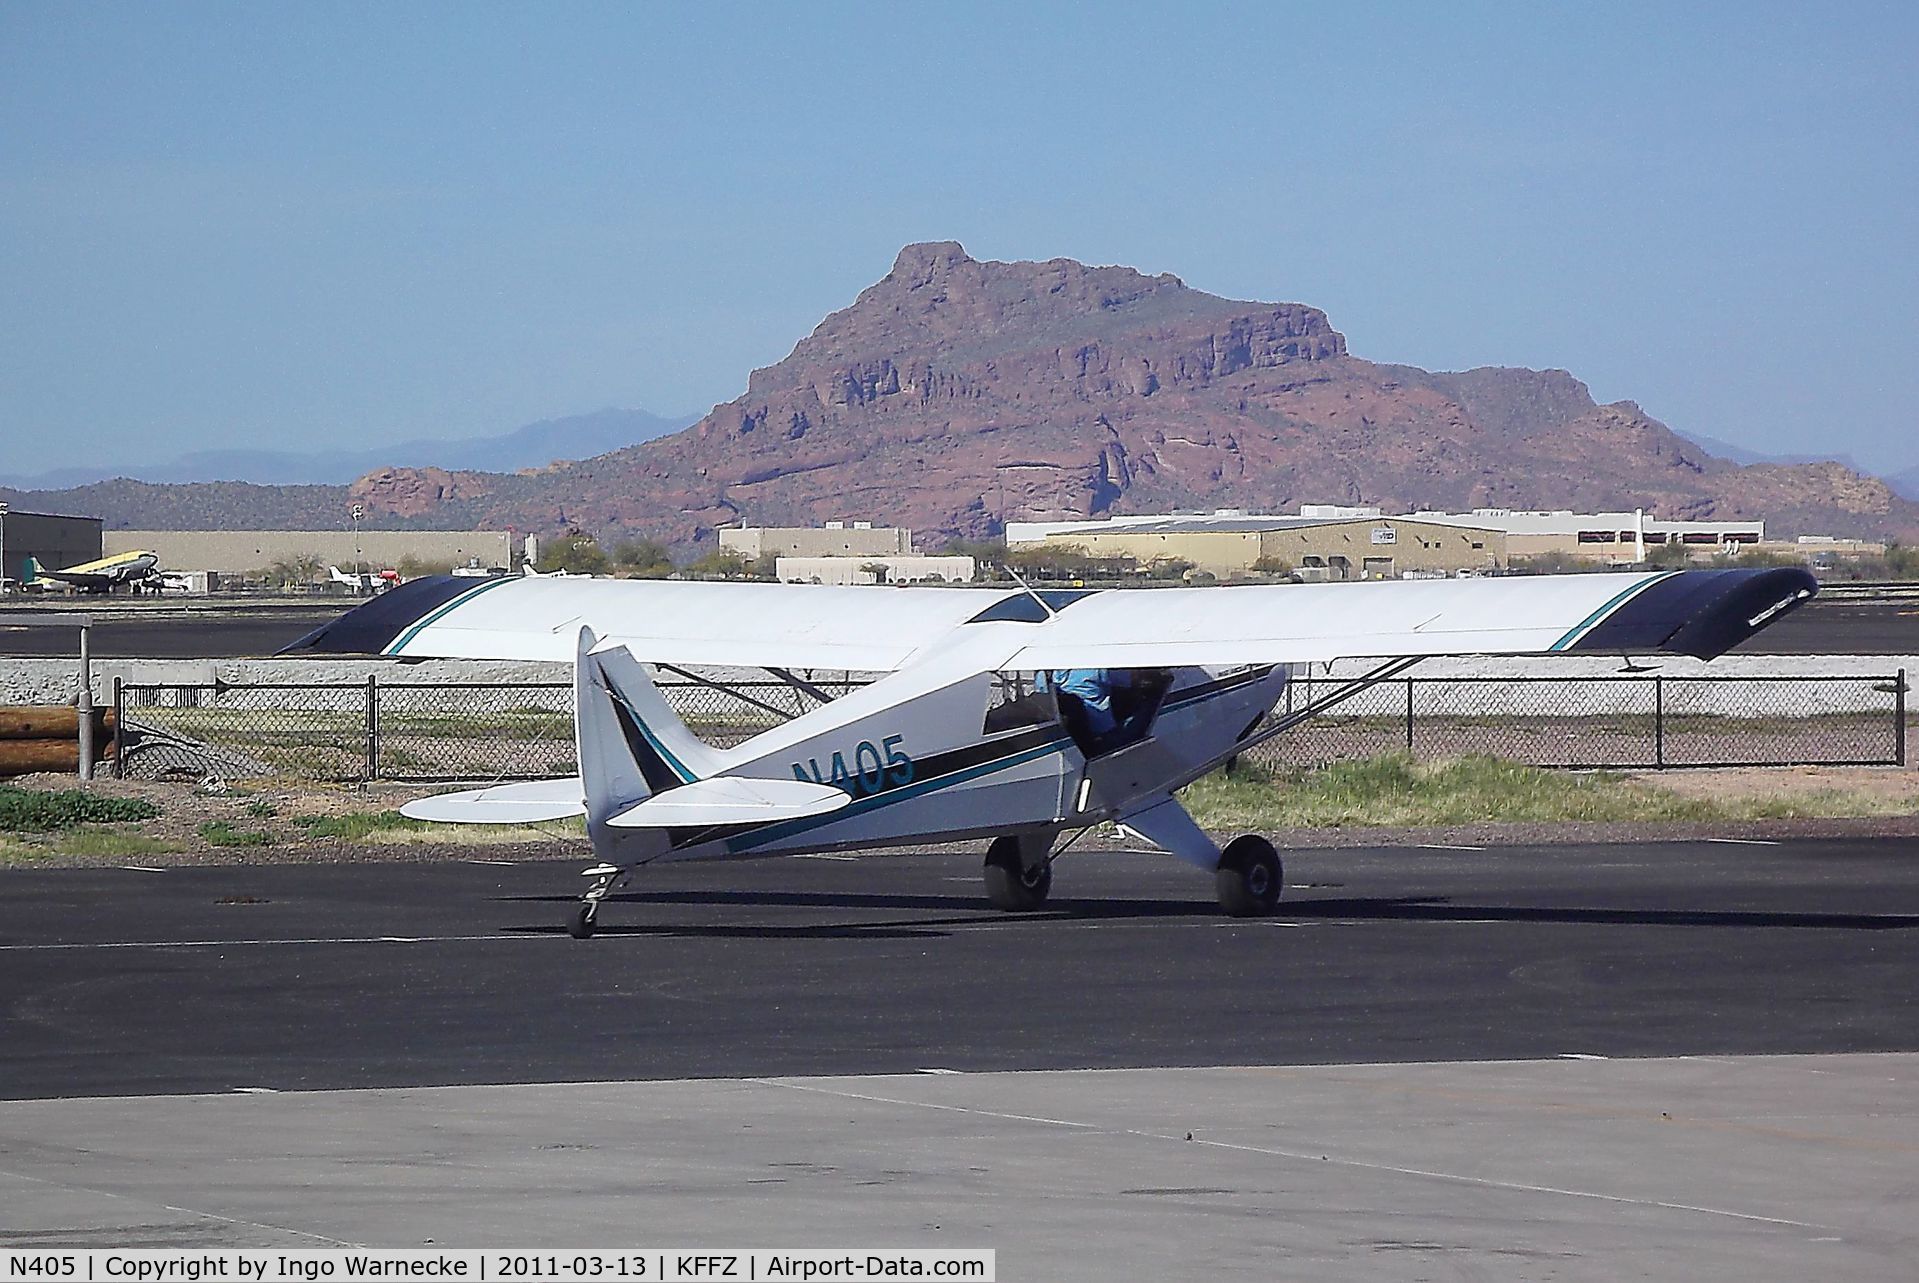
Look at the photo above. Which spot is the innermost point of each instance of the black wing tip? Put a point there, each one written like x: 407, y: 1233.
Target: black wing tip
x: 1702, y: 613
x: 369, y: 628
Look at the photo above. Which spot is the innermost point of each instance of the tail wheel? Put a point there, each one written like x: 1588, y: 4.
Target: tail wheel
x: 584, y: 919
x: 1010, y: 885
x: 1250, y: 877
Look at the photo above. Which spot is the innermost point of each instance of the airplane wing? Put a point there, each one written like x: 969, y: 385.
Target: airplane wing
x: 661, y: 621
x: 526, y: 803
x: 731, y: 799
x: 1692, y: 612
x: 1702, y: 613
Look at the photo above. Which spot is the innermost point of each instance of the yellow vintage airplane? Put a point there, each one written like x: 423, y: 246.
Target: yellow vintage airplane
x: 136, y: 568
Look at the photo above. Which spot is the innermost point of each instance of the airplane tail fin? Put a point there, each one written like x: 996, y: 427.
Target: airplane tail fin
x: 33, y: 571
x: 632, y: 745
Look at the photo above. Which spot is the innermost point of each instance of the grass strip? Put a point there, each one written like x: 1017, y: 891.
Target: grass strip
x: 1397, y: 791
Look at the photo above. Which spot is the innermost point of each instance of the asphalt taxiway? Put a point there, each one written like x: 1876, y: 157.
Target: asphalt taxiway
x: 1581, y: 1061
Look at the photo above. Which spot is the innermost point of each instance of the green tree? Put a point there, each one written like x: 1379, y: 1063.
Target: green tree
x: 878, y: 569
x: 722, y: 563
x: 1669, y: 556
x: 412, y: 567
x: 1169, y: 568
x: 645, y: 558
x: 575, y: 554
x: 1555, y: 563
x: 297, y: 570
x: 1065, y: 561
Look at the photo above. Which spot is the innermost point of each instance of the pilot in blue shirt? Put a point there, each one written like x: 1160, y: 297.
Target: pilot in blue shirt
x: 1094, y: 689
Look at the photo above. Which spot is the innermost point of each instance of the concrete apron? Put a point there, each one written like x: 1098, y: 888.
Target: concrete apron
x: 1739, y: 1168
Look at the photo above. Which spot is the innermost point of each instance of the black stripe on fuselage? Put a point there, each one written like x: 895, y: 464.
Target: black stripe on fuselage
x: 658, y: 775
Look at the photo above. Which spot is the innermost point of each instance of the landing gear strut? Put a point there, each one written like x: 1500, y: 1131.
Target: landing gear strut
x: 1011, y: 882
x: 584, y: 919
x: 1250, y: 877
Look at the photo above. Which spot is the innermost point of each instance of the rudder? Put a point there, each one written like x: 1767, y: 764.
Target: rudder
x: 631, y: 743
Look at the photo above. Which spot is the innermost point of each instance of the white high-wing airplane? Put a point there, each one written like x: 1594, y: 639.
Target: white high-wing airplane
x: 972, y: 732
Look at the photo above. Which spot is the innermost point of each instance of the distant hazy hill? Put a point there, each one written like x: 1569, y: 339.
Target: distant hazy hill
x: 1741, y: 455
x: 578, y: 436
x: 1906, y: 483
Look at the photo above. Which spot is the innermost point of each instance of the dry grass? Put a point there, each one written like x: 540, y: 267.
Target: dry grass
x: 1399, y: 792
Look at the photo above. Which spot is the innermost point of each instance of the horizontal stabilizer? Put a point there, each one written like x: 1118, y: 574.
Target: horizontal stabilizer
x: 730, y: 799
x: 526, y: 803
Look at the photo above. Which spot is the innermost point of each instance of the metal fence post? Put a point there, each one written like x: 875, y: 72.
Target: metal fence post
x: 372, y: 727
x: 119, y: 737
x: 1409, y: 715
x: 1899, y: 719
x: 85, y: 704
x: 1659, y: 721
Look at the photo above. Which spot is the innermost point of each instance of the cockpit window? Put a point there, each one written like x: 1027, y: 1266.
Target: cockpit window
x: 1017, y: 701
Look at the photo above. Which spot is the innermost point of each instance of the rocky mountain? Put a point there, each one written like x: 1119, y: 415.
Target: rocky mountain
x: 955, y: 394
x: 536, y: 445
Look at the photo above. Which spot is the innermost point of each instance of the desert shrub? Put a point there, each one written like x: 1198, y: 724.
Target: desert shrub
x: 34, y: 811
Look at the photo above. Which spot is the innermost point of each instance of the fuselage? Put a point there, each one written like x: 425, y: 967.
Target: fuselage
x: 946, y: 751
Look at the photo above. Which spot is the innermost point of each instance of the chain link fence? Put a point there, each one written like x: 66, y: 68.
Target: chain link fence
x: 1630, y: 721
x: 423, y: 731
x: 470, y: 731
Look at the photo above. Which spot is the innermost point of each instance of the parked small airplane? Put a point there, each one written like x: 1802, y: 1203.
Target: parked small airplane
x: 1013, y: 716
x: 365, y: 583
x: 136, y: 569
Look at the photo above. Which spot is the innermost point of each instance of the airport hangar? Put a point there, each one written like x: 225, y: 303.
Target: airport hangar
x: 1233, y: 545
x: 55, y: 541
x: 1322, y: 540
x: 242, y: 552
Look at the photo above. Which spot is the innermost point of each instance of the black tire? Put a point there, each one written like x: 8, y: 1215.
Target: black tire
x: 1010, y: 885
x: 1250, y: 877
x: 583, y: 921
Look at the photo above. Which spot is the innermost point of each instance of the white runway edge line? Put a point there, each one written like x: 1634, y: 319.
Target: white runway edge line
x: 1456, y: 1178
x: 1744, y: 841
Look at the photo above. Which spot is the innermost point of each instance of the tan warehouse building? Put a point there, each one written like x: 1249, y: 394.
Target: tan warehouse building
x: 1335, y: 548
x: 243, y: 552
x: 834, y: 539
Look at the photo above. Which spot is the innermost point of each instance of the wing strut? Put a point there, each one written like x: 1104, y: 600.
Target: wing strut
x: 1279, y: 726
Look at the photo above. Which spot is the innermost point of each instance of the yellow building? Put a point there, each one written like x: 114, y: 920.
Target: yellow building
x: 243, y: 552
x: 1314, y: 548
x: 1615, y: 538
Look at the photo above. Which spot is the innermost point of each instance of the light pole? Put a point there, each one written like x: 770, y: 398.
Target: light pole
x: 358, y: 512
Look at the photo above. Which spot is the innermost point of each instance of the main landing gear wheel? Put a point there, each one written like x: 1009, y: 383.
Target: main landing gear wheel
x: 1010, y: 885
x: 1250, y: 877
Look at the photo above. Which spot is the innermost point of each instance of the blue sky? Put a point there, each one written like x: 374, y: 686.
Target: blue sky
x: 300, y: 226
